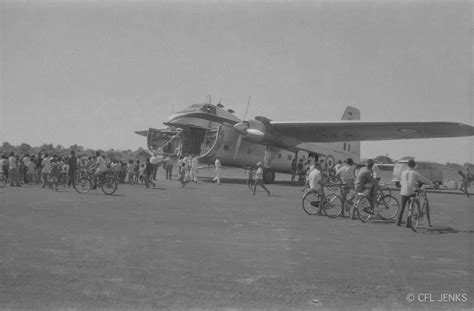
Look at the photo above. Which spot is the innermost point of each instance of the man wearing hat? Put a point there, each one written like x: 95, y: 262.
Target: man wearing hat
x: 259, y: 179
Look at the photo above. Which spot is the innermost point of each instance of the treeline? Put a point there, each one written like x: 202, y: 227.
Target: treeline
x: 24, y: 148
x: 125, y: 155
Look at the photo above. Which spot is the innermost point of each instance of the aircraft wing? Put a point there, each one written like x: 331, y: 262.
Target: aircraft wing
x: 364, y: 131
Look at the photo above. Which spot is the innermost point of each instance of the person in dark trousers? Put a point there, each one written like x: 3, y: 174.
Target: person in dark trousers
x: 169, y: 167
x: 294, y: 168
x: 410, y: 179
x: 182, y: 174
x: 465, y: 181
x: 72, y: 162
x: 149, y: 174
x: 300, y: 168
x: 364, y: 177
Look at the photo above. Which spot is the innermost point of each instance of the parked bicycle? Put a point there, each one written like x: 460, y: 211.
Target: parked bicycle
x: 418, y: 208
x: 312, y: 203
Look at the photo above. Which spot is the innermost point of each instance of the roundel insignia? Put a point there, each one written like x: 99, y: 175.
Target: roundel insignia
x: 329, y: 161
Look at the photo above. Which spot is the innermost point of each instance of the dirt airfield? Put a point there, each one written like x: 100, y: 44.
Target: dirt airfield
x: 218, y: 247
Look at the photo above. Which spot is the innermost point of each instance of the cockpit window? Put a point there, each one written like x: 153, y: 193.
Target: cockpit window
x: 209, y: 109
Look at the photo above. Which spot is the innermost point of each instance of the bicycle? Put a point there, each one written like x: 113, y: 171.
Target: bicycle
x: 384, y: 189
x: 330, y: 206
x: 386, y: 207
x: 107, y: 181
x: 330, y: 181
x: 348, y: 191
x: 417, y: 211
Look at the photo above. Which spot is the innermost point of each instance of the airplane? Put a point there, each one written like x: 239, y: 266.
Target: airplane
x: 210, y: 131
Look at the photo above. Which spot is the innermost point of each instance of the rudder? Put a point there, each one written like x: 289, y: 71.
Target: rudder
x: 351, y: 113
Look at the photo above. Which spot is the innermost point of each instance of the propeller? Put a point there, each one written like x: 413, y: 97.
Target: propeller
x: 241, y: 128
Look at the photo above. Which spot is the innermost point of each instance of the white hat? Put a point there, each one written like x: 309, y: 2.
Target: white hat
x: 259, y: 164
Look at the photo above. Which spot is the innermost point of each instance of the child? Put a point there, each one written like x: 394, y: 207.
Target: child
x: 182, y: 174
x: 54, y: 174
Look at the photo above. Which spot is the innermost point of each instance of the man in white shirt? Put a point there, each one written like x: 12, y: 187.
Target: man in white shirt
x: 101, y: 168
x: 189, y: 162
x: 337, y: 166
x: 347, y: 175
x: 315, y: 184
x: 410, y: 179
x: 46, y: 164
x: 26, y: 162
x: 217, y: 164
x: 194, y: 168
x: 13, y: 170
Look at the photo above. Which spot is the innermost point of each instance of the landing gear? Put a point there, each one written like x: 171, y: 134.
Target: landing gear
x: 268, y: 175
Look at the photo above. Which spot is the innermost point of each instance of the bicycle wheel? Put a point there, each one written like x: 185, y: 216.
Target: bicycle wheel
x: 415, y: 217
x: 388, y: 207
x: 109, y: 185
x: 83, y: 185
x: 362, y: 208
x: 332, y: 205
x: 311, y: 202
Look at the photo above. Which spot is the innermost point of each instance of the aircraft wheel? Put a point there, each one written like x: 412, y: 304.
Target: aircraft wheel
x: 268, y: 176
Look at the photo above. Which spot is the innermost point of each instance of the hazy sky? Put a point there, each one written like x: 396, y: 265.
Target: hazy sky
x: 93, y: 72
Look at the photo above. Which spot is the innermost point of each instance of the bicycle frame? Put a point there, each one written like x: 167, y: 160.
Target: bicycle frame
x: 422, y: 202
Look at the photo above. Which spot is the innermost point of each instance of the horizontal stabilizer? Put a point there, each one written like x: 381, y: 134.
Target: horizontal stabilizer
x: 142, y: 133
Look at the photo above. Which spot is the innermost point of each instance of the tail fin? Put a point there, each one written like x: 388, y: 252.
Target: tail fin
x: 352, y: 113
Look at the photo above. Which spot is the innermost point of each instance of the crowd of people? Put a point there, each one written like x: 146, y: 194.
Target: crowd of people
x: 52, y: 170
x: 367, y: 179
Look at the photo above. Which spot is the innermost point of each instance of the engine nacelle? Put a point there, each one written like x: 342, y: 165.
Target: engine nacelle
x: 259, y: 131
x: 253, y: 130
